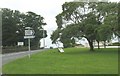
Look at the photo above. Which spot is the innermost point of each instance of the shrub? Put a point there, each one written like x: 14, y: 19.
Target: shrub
x: 11, y: 49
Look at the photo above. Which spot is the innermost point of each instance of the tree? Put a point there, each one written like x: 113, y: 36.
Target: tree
x: 8, y: 23
x: 71, y: 14
x: 89, y: 17
x: 36, y: 22
x: 109, y: 23
x: 67, y: 36
x: 55, y: 35
x: 117, y: 28
x: 13, y: 27
x: 104, y: 33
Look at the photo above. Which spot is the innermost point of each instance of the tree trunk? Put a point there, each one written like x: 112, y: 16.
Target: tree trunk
x: 98, y: 44
x: 91, y: 45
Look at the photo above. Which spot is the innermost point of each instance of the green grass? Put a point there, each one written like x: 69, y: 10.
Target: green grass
x: 72, y: 61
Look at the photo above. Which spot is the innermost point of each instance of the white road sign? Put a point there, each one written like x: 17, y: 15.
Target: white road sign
x: 20, y: 43
x: 29, y: 32
x: 26, y: 37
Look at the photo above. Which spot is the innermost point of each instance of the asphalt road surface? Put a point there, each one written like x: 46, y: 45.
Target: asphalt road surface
x: 6, y: 58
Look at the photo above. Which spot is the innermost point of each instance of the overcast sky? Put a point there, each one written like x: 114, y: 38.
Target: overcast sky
x: 46, y: 8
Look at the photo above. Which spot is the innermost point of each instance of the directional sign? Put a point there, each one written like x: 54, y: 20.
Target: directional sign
x: 29, y: 32
x: 26, y: 37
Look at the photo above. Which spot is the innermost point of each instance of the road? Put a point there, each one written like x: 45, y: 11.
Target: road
x: 6, y: 58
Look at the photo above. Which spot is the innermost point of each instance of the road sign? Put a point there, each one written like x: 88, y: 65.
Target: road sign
x: 27, y: 37
x: 20, y: 43
x: 29, y: 32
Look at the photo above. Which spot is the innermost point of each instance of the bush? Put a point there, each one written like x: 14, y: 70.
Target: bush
x: 35, y: 47
x: 11, y: 49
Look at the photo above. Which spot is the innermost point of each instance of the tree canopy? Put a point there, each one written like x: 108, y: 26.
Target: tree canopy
x: 95, y: 21
x: 14, y: 23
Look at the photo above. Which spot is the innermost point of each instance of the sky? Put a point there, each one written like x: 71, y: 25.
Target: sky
x: 46, y: 8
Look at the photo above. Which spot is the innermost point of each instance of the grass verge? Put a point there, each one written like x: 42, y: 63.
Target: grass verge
x: 72, y: 61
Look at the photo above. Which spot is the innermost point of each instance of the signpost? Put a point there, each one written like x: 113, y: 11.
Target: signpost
x: 29, y: 33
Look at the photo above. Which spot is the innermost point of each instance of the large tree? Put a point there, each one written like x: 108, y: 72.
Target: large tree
x: 36, y: 22
x: 8, y: 27
x: 88, y: 18
x: 14, y: 23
